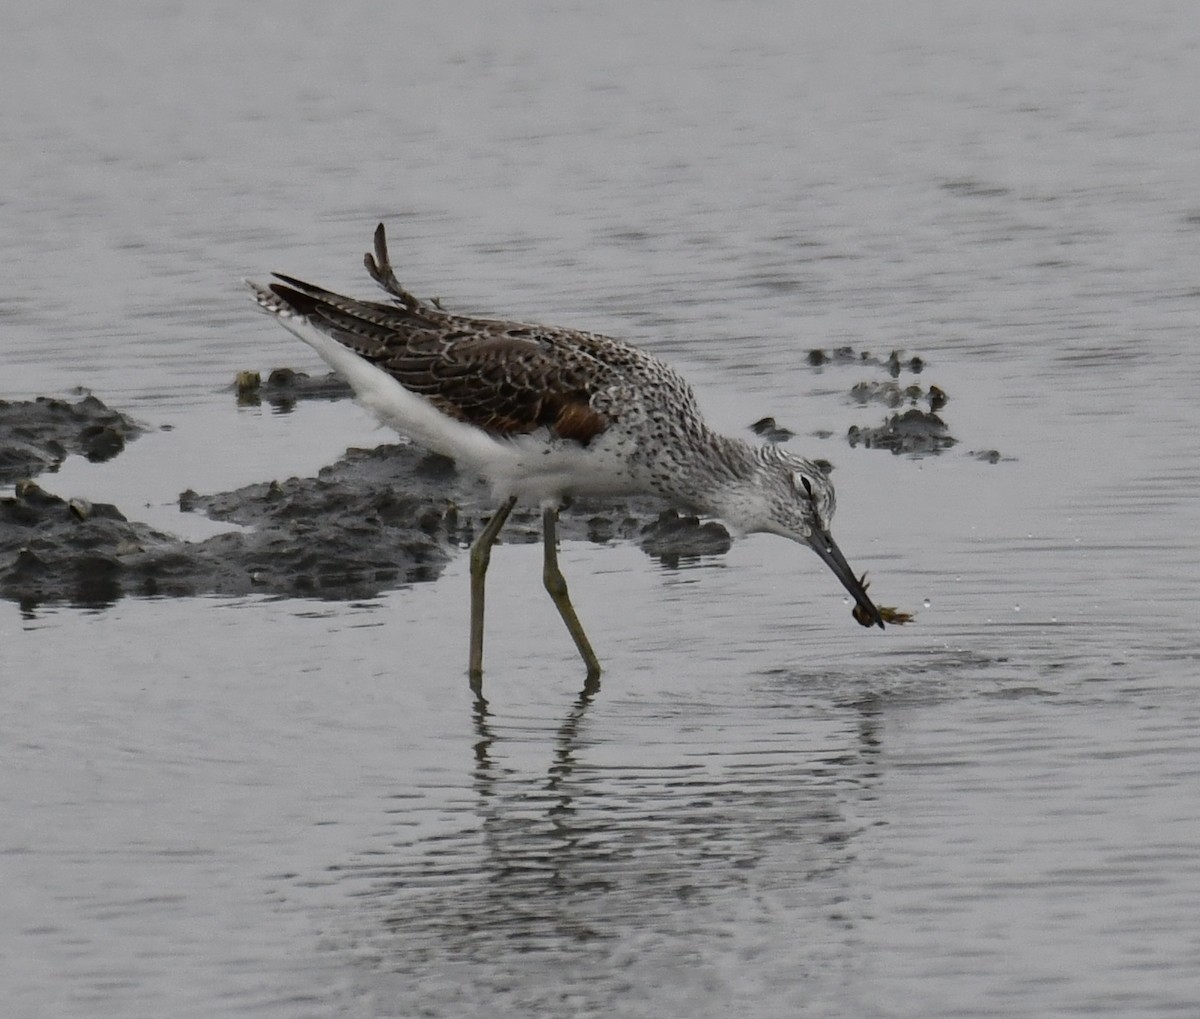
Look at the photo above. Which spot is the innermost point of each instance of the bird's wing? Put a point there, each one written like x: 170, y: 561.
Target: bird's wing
x: 505, y: 377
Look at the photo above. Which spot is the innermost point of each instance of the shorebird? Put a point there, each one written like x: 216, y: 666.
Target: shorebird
x: 544, y: 413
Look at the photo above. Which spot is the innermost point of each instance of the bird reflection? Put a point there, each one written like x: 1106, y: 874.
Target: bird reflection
x: 535, y: 857
x: 601, y: 844
x: 564, y: 743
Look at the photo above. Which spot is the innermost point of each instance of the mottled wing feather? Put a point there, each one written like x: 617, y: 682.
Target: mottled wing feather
x: 504, y: 377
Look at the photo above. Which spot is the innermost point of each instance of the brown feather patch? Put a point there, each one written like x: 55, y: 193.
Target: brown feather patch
x: 579, y: 422
x: 507, y: 378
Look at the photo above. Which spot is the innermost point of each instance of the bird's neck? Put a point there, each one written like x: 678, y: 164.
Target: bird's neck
x: 716, y: 475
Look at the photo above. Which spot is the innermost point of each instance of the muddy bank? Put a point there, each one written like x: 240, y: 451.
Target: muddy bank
x: 375, y: 520
x: 917, y: 430
x: 914, y: 431
x: 38, y: 435
x: 283, y: 388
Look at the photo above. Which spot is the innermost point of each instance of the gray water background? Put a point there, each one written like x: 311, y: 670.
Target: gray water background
x: 287, y: 808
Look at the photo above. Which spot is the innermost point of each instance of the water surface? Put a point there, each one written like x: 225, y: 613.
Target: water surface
x: 296, y: 809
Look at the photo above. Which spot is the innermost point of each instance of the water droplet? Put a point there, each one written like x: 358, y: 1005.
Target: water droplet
x: 1016, y: 608
x: 926, y: 603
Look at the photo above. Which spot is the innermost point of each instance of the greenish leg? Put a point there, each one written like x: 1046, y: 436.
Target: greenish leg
x: 556, y: 584
x: 481, y: 555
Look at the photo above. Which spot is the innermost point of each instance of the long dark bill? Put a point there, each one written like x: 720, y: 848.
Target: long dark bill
x: 824, y: 545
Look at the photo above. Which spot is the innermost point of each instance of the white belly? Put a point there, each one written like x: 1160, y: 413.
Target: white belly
x: 535, y: 468
x: 544, y: 469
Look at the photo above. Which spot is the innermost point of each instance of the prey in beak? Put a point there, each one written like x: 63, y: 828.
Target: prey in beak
x: 865, y: 610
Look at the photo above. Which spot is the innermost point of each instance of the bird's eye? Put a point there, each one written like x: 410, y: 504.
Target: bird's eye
x: 806, y: 483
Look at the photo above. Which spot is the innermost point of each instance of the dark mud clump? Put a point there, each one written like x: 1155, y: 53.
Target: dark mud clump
x: 914, y: 431
x: 894, y: 363
x: 769, y: 431
x: 892, y: 394
x: 673, y: 537
x: 304, y: 537
x: 989, y: 456
x: 87, y: 554
x: 284, y: 388
x: 37, y: 435
x: 375, y: 520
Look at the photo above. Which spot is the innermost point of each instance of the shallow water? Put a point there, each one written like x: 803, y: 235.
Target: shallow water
x: 296, y: 809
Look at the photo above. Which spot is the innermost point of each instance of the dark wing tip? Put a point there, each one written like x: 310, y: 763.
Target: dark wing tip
x: 291, y: 281
x: 377, y: 260
x: 302, y: 298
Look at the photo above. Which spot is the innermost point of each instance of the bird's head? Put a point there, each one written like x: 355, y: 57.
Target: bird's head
x: 800, y: 504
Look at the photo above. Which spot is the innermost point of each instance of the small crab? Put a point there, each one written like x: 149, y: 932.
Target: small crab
x: 889, y: 613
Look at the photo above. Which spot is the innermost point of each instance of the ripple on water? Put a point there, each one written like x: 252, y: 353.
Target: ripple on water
x: 617, y: 861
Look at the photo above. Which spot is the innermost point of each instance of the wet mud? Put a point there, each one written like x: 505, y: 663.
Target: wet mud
x: 917, y: 430
x: 914, y: 431
x: 38, y: 435
x: 285, y: 387
x: 374, y: 520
